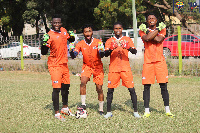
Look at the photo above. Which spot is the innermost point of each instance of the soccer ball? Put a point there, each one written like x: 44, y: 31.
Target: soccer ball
x: 81, y: 114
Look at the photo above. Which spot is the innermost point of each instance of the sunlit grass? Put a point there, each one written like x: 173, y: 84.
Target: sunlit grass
x: 26, y: 106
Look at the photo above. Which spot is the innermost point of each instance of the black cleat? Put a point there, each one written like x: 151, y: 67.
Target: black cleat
x: 101, y: 112
x: 82, y: 107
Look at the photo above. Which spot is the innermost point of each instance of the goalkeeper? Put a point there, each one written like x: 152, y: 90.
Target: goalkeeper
x: 154, y: 62
x: 56, y: 40
x: 118, y: 47
x: 92, y: 50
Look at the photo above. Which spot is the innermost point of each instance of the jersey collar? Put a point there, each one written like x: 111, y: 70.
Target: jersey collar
x: 89, y: 43
x: 151, y: 29
x: 119, y: 38
x: 55, y: 31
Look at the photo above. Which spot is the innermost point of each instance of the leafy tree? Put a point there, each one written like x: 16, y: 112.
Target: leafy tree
x: 74, y: 13
x: 166, y: 6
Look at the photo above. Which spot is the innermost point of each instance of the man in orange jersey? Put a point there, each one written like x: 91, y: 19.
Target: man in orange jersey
x: 154, y: 62
x: 56, y: 40
x: 118, y: 47
x: 92, y: 50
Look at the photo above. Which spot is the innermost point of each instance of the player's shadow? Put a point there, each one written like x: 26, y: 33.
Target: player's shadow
x: 90, y: 106
x: 141, y: 106
x: 95, y: 106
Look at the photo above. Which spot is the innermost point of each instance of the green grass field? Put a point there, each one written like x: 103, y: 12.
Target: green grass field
x: 26, y: 106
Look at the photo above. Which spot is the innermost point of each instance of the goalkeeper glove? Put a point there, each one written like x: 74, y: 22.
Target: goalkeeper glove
x: 143, y: 27
x: 71, y: 33
x: 161, y: 26
x: 100, y: 46
x: 71, y: 46
x: 45, y: 37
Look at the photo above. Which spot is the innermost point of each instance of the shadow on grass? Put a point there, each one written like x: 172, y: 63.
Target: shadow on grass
x: 141, y: 107
x: 91, y: 106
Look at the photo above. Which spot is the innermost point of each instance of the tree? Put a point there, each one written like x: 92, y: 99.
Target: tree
x: 182, y: 15
x: 74, y: 13
x: 110, y: 11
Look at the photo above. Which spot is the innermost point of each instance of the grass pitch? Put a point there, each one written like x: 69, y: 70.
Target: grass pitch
x: 26, y: 106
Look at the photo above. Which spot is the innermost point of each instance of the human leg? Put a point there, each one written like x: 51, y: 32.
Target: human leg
x: 65, y: 92
x: 165, y: 96
x: 84, y: 81
x: 109, y: 101
x: 100, y: 97
x: 134, y: 101
x: 146, y: 98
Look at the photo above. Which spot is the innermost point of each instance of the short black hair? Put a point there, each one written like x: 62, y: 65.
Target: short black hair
x: 116, y: 23
x: 87, y: 26
x: 56, y: 16
x: 150, y: 14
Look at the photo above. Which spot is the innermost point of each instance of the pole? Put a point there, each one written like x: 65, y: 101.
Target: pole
x: 179, y: 50
x: 134, y: 23
x: 22, y: 59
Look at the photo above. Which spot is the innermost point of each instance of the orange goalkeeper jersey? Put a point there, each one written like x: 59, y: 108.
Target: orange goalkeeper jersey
x: 119, y: 60
x: 90, y: 53
x: 58, y: 47
x: 153, y: 50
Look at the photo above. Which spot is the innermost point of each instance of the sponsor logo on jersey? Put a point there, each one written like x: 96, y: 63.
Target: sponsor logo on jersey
x: 65, y: 33
x: 109, y: 82
x: 55, y: 82
x: 143, y: 78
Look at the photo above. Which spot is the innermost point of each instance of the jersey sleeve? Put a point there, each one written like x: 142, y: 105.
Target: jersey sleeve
x: 162, y: 32
x: 141, y: 33
x: 64, y: 31
x: 107, y: 44
x: 78, y: 47
x: 131, y: 44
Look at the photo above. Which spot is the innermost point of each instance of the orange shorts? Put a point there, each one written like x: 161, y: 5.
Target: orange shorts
x: 114, y: 79
x: 59, y: 74
x: 158, y: 69
x: 98, y: 74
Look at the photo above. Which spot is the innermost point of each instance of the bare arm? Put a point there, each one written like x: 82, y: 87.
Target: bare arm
x: 159, y: 39
x: 150, y: 36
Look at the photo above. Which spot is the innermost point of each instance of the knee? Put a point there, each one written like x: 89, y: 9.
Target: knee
x: 163, y: 86
x: 65, y: 86
x: 55, y: 93
x: 83, y: 84
x: 110, y: 90
x: 147, y: 86
x: 131, y: 90
x: 99, y: 91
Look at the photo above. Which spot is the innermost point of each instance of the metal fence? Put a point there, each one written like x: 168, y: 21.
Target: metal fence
x: 190, y: 43
x: 10, y: 48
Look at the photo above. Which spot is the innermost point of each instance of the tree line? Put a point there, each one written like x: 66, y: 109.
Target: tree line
x: 101, y: 13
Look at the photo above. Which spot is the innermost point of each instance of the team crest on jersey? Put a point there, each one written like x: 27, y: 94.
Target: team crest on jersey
x: 57, y: 37
x: 109, y: 82
x: 55, y: 82
x: 65, y: 33
x: 166, y: 76
x: 143, y: 78
x: 94, y: 47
